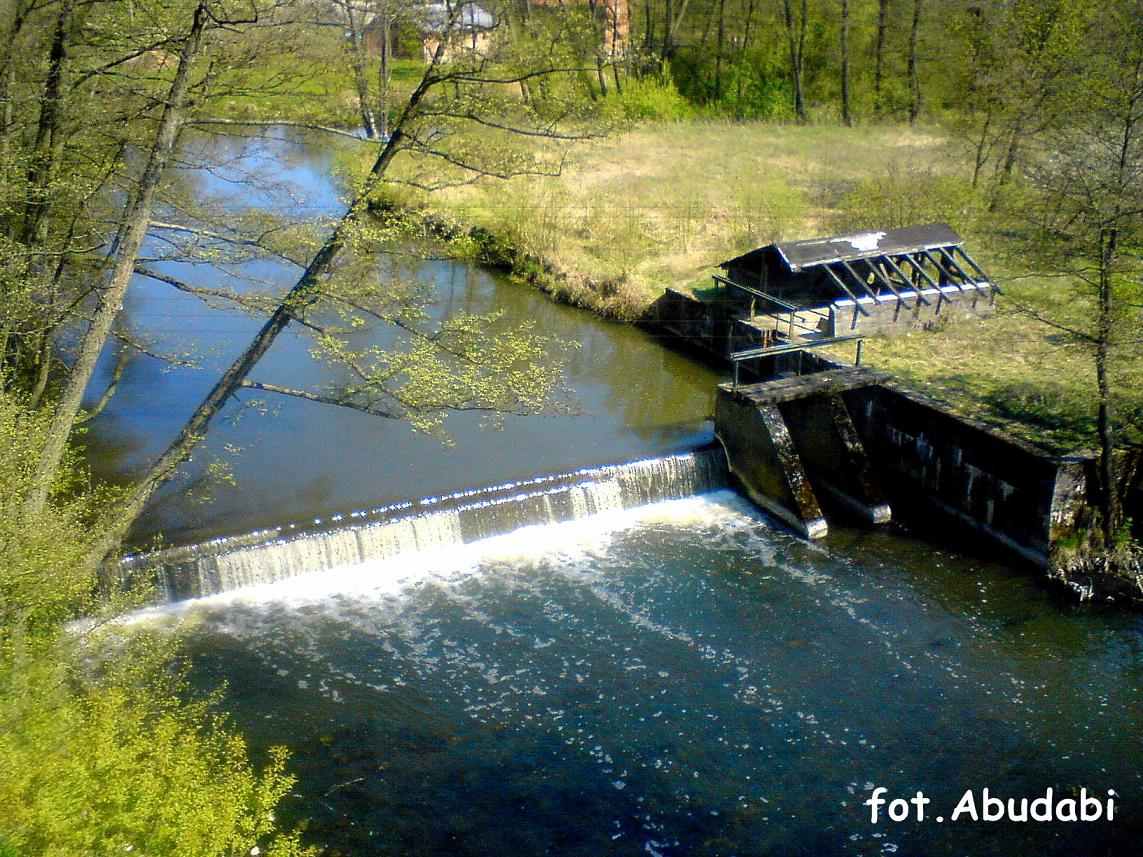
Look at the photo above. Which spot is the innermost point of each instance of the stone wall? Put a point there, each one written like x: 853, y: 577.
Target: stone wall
x: 1019, y: 495
x: 857, y: 436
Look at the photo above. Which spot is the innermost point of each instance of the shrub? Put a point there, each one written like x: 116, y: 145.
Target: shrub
x: 100, y: 750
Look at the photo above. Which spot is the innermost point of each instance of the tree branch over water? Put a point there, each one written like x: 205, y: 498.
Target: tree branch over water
x: 462, y: 366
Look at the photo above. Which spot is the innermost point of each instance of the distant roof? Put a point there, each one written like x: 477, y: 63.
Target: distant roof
x: 472, y: 17
x: 799, y: 255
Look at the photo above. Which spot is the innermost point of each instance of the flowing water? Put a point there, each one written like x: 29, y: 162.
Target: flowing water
x: 613, y: 660
x: 681, y: 678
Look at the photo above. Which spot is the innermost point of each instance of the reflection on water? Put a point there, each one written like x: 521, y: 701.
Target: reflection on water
x: 680, y: 679
x: 298, y: 460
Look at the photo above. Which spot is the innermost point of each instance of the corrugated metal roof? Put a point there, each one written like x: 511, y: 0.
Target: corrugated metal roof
x: 799, y: 255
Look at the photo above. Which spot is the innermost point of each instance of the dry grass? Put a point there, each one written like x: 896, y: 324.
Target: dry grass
x: 661, y: 205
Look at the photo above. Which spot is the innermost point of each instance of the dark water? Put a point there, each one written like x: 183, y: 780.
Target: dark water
x: 681, y: 679
x: 631, y: 396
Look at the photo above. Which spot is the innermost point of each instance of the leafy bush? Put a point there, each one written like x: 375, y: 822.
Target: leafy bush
x: 908, y: 195
x: 100, y: 751
x: 648, y: 100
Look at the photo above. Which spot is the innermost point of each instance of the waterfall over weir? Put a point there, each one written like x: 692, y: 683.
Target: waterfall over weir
x: 265, y: 556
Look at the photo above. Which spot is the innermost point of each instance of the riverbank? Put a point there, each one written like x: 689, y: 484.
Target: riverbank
x: 661, y: 205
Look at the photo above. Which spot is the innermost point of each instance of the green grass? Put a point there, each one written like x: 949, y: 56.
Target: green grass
x: 659, y: 206
x: 321, y: 92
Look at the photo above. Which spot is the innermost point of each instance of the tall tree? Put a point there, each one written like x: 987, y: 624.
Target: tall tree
x: 914, y: 73
x: 456, y: 366
x: 879, y: 55
x: 1089, y: 171
x: 795, y: 19
x: 355, y: 20
x: 128, y: 243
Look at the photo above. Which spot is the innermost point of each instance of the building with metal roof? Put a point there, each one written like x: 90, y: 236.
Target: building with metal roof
x: 864, y: 281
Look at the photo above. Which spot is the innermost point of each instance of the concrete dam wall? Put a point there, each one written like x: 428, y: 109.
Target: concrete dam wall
x: 855, y: 438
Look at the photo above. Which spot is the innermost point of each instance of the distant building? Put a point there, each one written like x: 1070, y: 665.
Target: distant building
x: 472, y: 32
x: 427, y: 23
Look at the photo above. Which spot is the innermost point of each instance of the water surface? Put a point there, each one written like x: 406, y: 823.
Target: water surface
x: 680, y: 679
x: 295, y: 460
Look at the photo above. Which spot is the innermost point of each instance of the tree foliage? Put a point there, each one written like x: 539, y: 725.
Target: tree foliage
x: 103, y: 750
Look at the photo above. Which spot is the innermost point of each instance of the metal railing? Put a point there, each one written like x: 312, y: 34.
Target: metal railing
x: 737, y: 358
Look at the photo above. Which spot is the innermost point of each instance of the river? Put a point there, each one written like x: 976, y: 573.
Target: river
x: 683, y: 677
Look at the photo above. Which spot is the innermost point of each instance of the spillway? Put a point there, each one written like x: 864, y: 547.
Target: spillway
x: 265, y: 556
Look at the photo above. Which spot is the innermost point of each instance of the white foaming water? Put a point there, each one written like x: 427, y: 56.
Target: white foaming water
x: 446, y: 563
x: 428, y: 525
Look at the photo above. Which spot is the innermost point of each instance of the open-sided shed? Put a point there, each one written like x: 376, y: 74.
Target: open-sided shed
x: 864, y: 281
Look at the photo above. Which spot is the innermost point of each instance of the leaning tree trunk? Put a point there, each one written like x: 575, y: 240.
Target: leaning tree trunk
x: 304, y: 293
x: 111, y: 298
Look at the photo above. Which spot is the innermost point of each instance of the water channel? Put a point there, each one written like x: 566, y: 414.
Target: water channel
x: 682, y: 677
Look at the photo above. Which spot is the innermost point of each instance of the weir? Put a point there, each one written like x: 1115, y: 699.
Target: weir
x: 278, y: 553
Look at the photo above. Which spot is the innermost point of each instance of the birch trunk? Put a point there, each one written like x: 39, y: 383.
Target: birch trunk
x: 111, y: 298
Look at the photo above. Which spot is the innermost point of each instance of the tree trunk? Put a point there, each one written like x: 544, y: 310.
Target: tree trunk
x: 796, y: 41
x: 746, y: 27
x: 383, y: 73
x: 982, y: 147
x: 7, y: 78
x: 305, y: 292
x: 718, y: 56
x: 879, y: 55
x: 1006, y: 167
x: 40, y: 168
x: 359, y: 78
x: 914, y: 76
x: 619, y: 34
x: 111, y: 298
x: 845, y: 115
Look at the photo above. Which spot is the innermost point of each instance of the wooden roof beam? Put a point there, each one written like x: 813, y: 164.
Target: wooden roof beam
x: 859, y: 279
x: 920, y: 270
x: 948, y: 257
x: 884, y: 279
x: 944, y: 270
x: 905, y: 278
x: 979, y: 271
x: 877, y: 275
x: 846, y: 289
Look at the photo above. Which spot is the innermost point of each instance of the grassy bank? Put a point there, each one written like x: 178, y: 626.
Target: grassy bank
x: 661, y: 205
